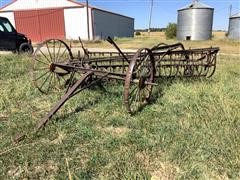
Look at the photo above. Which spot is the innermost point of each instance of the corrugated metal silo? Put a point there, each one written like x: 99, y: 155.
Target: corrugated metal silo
x: 234, y: 27
x: 195, y: 22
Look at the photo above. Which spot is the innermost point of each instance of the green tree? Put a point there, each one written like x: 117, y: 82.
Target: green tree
x: 137, y: 33
x: 171, y: 31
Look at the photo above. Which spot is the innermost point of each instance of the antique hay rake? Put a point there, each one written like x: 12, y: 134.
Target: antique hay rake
x: 54, y: 67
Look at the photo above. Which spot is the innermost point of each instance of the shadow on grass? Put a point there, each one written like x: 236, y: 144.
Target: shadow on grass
x: 87, y: 105
x: 157, y: 93
x: 78, y: 109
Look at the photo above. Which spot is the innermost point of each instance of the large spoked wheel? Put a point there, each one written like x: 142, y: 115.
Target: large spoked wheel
x: 139, y: 80
x: 46, y: 76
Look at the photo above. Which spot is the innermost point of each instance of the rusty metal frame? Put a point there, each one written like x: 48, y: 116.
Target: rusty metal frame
x: 55, y: 66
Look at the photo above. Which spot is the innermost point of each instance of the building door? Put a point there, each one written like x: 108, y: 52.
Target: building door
x: 27, y: 22
x: 40, y: 25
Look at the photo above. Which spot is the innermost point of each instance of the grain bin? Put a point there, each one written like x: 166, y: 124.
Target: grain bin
x: 234, y: 27
x: 195, y: 22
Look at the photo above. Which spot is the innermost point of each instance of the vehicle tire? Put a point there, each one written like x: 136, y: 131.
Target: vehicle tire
x: 25, y: 48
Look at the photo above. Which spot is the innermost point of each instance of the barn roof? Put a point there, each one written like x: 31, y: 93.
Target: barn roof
x: 235, y: 15
x: 17, y: 5
x: 196, y: 5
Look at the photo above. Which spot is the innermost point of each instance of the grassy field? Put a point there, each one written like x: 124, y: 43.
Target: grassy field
x: 189, y: 131
x: 219, y: 39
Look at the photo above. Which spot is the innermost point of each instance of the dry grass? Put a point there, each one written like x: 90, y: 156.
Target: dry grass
x: 144, y: 40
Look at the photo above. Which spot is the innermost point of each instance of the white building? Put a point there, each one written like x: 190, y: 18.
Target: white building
x: 65, y: 19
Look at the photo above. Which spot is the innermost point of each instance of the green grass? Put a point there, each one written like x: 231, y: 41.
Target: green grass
x: 189, y: 131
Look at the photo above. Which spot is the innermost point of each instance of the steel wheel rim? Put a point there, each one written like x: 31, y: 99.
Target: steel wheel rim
x: 46, y: 77
x: 136, y: 95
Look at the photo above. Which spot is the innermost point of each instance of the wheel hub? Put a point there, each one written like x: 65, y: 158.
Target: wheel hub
x: 141, y: 83
x: 52, y: 67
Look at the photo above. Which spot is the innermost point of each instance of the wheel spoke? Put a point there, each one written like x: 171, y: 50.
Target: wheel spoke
x: 44, y: 56
x: 134, y: 89
x: 136, y: 68
x: 41, y: 69
x: 50, y: 81
x: 41, y: 76
x: 140, y: 97
x: 45, y: 81
x: 136, y: 99
x: 58, y: 80
x: 54, y: 80
x: 59, y: 51
x: 63, y: 53
x: 49, y: 51
x: 54, y: 51
x: 133, y: 97
x: 41, y: 61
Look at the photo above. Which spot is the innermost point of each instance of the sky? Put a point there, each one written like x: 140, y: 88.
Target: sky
x: 164, y: 11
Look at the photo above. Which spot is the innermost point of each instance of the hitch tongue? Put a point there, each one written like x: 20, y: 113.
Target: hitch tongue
x: 110, y: 40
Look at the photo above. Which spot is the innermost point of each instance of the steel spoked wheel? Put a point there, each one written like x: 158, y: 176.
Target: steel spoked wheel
x: 139, y: 80
x: 46, y: 76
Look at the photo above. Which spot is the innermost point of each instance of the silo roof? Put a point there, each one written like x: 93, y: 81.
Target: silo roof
x: 196, y: 5
x: 235, y: 15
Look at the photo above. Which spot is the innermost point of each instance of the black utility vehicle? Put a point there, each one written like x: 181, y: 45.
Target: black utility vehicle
x: 11, y: 40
